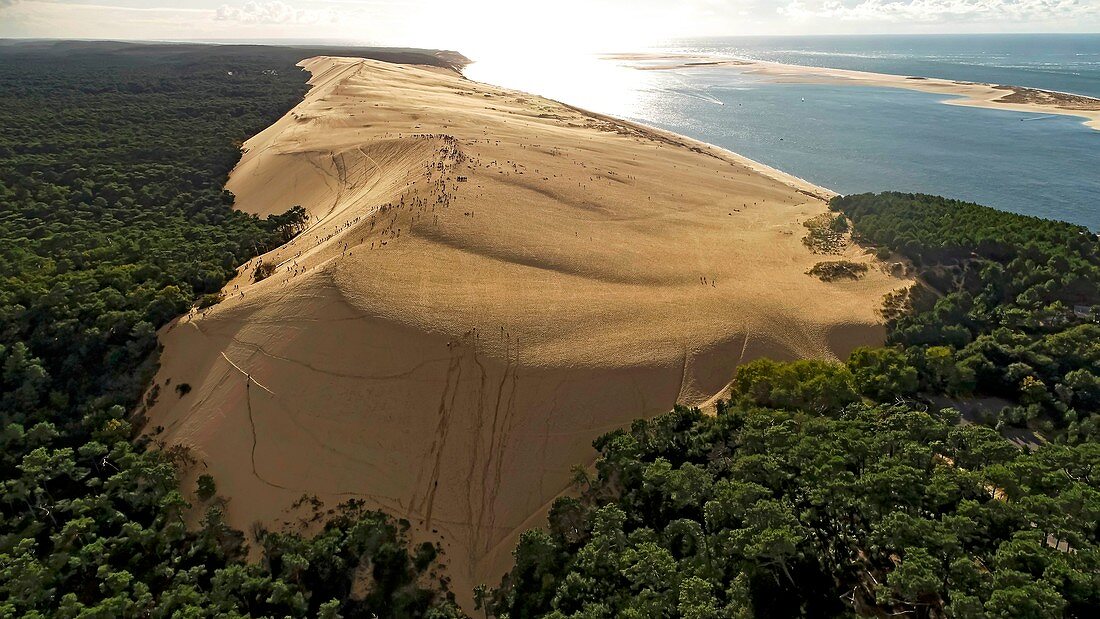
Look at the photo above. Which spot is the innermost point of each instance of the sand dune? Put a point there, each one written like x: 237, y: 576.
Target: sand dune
x: 969, y: 94
x: 490, y: 281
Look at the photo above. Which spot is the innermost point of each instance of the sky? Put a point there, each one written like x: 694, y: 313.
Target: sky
x: 473, y: 26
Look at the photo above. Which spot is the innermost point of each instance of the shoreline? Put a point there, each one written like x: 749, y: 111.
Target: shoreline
x: 968, y: 94
x: 677, y: 139
x: 672, y: 138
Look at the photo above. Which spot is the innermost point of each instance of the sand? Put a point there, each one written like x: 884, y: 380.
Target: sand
x: 490, y: 281
x: 970, y: 94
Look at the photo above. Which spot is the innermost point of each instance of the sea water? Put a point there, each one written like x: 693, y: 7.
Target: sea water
x: 858, y: 138
x: 1066, y: 62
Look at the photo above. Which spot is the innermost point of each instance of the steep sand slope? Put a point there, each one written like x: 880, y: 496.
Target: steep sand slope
x: 490, y: 281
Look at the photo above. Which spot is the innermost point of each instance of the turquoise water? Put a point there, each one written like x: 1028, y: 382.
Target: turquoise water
x: 1066, y: 62
x: 855, y: 138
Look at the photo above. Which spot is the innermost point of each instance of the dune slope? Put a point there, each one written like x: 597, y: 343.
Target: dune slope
x: 490, y: 280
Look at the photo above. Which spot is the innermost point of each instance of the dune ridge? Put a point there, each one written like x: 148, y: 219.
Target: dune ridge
x: 489, y: 281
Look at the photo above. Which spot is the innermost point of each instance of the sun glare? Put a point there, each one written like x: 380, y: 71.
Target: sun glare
x: 483, y: 28
x: 553, y: 52
x: 581, y: 78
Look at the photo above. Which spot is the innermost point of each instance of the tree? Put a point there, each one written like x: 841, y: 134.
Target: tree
x: 882, y: 373
x: 206, y: 487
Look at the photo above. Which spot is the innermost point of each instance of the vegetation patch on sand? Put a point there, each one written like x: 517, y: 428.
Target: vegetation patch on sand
x: 831, y: 271
x: 262, y: 271
x: 828, y: 233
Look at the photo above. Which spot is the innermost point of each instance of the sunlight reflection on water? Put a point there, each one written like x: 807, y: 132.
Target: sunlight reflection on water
x: 583, y: 80
x: 848, y: 138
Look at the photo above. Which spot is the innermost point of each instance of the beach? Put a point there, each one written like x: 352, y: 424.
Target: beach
x: 489, y: 281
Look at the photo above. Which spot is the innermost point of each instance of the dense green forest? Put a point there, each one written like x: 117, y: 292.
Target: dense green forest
x: 761, y: 512
x: 113, y: 220
x: 829, y: 489
x: 1008, y: 306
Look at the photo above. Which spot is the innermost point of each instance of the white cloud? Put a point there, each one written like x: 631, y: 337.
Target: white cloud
x: 931, y: 11
x: 470, y: 25
x: 270, y: 12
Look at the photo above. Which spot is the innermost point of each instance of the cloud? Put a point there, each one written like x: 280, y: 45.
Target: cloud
x: 270, y: 12
x: 940, y: 10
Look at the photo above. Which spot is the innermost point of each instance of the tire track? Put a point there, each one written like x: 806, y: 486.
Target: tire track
x: 454, y: 370
x: 252, y: 422
x: 507, y: 424
x: 493, y: 465
x: 479, y: 427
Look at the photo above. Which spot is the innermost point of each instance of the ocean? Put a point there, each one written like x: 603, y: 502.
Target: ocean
x: 1065, y: 62
x: 857, y: 138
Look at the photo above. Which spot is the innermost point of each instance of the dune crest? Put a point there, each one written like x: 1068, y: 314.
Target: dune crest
x: 489, y: 281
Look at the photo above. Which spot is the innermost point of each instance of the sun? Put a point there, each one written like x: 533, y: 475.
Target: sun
x: 483, y: 28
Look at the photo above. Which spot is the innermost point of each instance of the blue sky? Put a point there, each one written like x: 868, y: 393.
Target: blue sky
x: 589, y: 25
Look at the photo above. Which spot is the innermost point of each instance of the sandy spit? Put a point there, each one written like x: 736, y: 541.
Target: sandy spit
x: 971, y: 94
